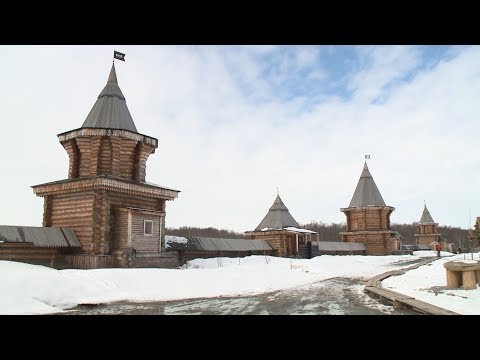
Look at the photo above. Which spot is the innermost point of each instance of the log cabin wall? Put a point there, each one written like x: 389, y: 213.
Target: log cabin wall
x: 370, y: 226
x: 427, y: 234
x: 277, y: 240
x: 74, y: 211
x: 142, y: 242
x: 104, y: 155
x: 28, y: 253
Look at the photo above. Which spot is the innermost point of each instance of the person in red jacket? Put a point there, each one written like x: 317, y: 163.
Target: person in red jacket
x: 438, y: 247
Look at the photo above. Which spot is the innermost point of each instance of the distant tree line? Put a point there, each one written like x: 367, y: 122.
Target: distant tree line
x: 328, y: 232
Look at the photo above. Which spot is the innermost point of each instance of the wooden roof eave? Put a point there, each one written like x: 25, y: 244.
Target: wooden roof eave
x: 373, y: 207
x: 83, y: 132
x: 104, y: 183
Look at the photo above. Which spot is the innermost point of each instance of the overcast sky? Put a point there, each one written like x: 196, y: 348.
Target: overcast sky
x: 235, y: 122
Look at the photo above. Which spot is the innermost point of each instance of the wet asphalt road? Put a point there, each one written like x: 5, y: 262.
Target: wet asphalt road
x: 337, y: 296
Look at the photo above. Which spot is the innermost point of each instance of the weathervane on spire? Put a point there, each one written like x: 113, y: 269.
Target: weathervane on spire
x: 367, y: 157
x: 277, y: 191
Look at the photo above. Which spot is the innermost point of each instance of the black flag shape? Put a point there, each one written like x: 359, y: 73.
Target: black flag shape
x: 118, y: 55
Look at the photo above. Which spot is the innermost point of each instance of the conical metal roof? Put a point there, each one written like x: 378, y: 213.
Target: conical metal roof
x: 278, y: 217
x: 110, y: 111
x: 426, y: 217
x: 366, y: 193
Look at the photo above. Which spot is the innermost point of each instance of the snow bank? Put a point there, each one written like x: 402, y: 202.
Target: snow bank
x: 32, y: 289
x: 428, y: 283
x: 431, y: 253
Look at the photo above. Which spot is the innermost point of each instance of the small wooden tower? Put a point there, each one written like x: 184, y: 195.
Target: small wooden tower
x: 281, y: 230
x: 368, y: 218
x: 118, y: 217
x: 427, y: 230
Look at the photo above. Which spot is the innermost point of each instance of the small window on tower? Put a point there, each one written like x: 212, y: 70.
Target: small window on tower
x: 147, y: 227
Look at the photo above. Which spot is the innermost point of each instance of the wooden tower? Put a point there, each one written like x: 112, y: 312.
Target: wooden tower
x: 117, y: 216
x: 427, y: 230
x: 281, y: 230
x: 368, y: 218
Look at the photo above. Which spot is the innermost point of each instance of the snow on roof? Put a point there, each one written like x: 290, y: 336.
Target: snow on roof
x: 290, y: 228
x: 170, y: 239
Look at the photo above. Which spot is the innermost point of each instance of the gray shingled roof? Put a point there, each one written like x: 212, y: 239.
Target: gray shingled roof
x: 110, y: 110
x: 426, y: 217
x: 214, y: 244
x: 277, y: 217
x: 340, y: 246
x: 366, y: 193
x: 39, y: 236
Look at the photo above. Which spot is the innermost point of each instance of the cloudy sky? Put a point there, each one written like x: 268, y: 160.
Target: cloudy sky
x: 235, y: 122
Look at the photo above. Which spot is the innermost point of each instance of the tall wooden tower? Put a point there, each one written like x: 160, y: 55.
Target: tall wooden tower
x: 118, y: 217
x: 368, y: 218
x: 427, y: 230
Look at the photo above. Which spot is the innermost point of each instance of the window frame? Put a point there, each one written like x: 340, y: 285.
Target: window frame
x: 145, y: 221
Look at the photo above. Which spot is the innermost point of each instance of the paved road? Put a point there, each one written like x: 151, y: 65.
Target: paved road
x: 336, y: 296
x: 333, y: 297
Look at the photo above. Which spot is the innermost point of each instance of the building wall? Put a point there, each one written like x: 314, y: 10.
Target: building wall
x: 375, y: 244
x: 92, y: 215
x: 426, y: 234
x: 377, y: 218
x: 278, y: 240
x: 145, y: 243
x: 283, y: 242
x: 28, y: 253
x: 370, y: 226
x: 97, y: 155
x: 74, y: 211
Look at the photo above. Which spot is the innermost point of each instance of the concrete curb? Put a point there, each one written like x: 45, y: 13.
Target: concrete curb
x: 374, y: 286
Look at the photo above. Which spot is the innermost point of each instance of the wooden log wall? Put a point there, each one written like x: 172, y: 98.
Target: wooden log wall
x: 75, y: 211
x: 277, y: 241
x: 368, y: 219
x: 119, y: 232
x: 141, y: 242
x: 73, y: 156
x: 117, y: 156
x: 101, y: 222
x: 87, y: 261
x: 142, y: 152
x: 105, y: 157
x: 426, y: 239
x: 28, y: 253
x: 168, y: 259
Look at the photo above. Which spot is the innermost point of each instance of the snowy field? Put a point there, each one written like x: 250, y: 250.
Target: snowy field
x: 32, y: 289
x: 428, y: 283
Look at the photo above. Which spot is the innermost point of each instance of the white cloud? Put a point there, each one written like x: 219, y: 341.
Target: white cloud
x: 227, y: 152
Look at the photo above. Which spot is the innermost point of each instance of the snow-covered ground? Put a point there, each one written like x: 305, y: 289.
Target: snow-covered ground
x: 32, y: 289
x: 428, y: 283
